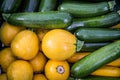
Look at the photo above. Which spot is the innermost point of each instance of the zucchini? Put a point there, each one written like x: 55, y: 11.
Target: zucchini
x: 87, y: 9
x: 89, y: 47
x: 47, y: 5
x: 44, y: 20
x: 103, y: 21
x: 95, y: 60
x: 97, y: 34
x: 94, y: 78
x: 10, y: 6
x: 30, y: 5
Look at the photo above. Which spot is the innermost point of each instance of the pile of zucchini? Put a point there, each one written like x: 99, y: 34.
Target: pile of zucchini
x: 90, y: 21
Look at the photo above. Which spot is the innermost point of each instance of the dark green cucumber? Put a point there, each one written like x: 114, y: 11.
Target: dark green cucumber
x: 96, y: 59
x: 103, y: 21
x: 30, y: 5
x: 94, y: 78
x: 47, y: 5
x: 45, y: 20
x: 93, y: 46
x: 10, y: 6
x: 97, y: 34
x: 87, y: 9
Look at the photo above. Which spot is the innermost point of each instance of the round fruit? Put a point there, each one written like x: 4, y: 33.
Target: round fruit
x: 57, y: 70
x: 59, y: 44
x: 39, y: 77
x: 38, y: 62
x: 25, y: 45
x: 20, y: 70
x: 6, y: 58
x: 8, y: 32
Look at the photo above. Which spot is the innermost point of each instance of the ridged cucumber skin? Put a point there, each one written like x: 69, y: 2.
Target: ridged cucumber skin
x: 30, y: 5
x: 96, y: 59
x: 89, y: 47
x: 44, y: 20
x: 85, y: 9
x: 47, y: 5
x: 10, y: 6
x: 97, y: 34
x: 103, y: 21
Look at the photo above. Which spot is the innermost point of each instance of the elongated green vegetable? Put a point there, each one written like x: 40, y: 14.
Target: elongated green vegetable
x: 97, y: 34
x: 30, y: 5
x: 10, y: 6
x: 47, y: 5
x: 103, y: 21
x: 44, y: 20
x: 96, y: 59
x: 87, y: 9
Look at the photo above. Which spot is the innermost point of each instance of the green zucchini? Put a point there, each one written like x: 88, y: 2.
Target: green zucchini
x: 10, y: 6
x: 47, y: 5
x: 94, y: 78
x: 95, y: 60
x: 44, y: 20
x: 97, y: 34
x: 87, y: 9
x: 103, y: 21
x: 30, y: 5
x: 93, y: 46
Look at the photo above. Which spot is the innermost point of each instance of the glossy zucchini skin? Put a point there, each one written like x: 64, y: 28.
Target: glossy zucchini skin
x: 97, y: 34
x: 44, y: 20
x: 47, y: 5
x: 10, y: 6
x: 95, y: 60
x: 86, y: 9
x: 89, y: 47
x: 30, y: 5
x: 103, y: 21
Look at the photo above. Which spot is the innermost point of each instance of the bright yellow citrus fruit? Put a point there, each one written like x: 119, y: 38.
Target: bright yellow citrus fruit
x: 6, y: 58
x: 39, y: 77
x: 38, y: 62
x: 59, y: 44
x: 25, y: 45
x: 20, y: 70
x: 3, y: 76
x: 57, y: 70
x: 8, y: 32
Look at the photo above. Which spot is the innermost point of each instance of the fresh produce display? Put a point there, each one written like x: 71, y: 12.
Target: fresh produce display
x: 59, y: 40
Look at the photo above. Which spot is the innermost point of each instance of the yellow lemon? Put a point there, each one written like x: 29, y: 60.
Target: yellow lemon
x: 57, y: 70
x: 39, y: 77
x: 25, y: 45
x: 20, y: 70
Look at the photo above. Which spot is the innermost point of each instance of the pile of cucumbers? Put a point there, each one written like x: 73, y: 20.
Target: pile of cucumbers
x: 90, y: 21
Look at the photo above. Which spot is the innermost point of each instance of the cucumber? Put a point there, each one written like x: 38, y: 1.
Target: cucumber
x: 44, y: 20
x: 47, y: 5
x: 97, y: 34
x: 87, y: 9
x: 10, y: 6
x: 89, y: 47
x: 30, y: 5
x: 95, y: 60
x: 94, y: 78
x: 103, y: 21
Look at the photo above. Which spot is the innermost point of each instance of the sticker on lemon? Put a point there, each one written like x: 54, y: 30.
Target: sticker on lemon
x: 57, y: 70
x: 8, y: 32
x: 25, y: 45
x: 20, y: 70
x: 59, y: 44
